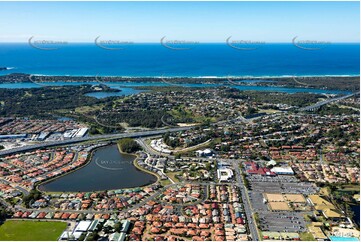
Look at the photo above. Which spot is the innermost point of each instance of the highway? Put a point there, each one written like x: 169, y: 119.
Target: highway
x: 319, y: 104
x: 146, y: 133
x: 90, y: 138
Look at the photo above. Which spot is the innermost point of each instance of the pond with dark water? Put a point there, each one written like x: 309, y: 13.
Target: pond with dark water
x: 108, y: 169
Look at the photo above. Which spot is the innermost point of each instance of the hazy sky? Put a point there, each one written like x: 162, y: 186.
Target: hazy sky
x: 190, y: 21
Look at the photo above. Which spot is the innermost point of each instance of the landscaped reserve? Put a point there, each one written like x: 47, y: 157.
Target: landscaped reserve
x: 31, y: 230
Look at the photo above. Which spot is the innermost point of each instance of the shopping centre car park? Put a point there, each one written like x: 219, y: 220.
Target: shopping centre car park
x: 282, y: 221
x: 278, y: 186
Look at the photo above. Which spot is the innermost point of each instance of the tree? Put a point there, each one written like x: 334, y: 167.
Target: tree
x: 117, y: 227
x: 82, y: 237
x: 93, y: 236
x: 129, y: 145
x: 32, y: 196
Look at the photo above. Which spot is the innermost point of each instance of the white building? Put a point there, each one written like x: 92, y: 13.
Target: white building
x: 204, y: 153
x: 224, y: 174
x: 83, y: 226
x: 283, y: 170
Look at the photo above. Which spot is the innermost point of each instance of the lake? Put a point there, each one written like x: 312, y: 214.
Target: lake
x: 108, y: 170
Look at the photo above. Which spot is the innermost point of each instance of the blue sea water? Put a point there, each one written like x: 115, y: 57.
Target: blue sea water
x: 139, y: 60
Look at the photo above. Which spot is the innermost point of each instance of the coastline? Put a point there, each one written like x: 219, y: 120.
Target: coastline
x: 336, y: 84
x: 185, y: 77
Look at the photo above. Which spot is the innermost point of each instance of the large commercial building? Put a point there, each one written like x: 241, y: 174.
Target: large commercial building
x: 282, y: 170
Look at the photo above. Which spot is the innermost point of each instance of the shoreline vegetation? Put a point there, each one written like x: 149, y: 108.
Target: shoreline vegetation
x: 135, y: 163
x: 339, y: 82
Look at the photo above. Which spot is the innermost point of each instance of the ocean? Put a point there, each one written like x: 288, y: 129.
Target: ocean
x: 202, y: 60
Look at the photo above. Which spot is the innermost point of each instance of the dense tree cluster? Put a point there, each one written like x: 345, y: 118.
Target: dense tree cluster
x: 135, y: 118
x: 129, y: 145
x: 333, y: 109
x: 293, y: 99
x: 43, y: 102
x: 179, y: 141
x: 31, y: 197
x: 351, y: 83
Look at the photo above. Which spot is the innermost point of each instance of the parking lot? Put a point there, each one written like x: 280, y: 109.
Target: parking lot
x: 283, y: 187
x: 282, y: 221
x: 259, y: 178
x: 256, y: 199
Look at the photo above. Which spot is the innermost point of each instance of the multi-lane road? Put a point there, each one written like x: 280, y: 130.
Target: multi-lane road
x: 327, y: 101
x: 90, y: 138
x: 246, y: 202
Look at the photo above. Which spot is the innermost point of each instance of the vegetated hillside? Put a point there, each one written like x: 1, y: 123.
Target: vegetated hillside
x: 43, y: 102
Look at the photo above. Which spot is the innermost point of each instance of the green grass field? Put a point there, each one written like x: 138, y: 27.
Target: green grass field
x: 306, y: 236
x: 172, y: 175
x: 31, y: 230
